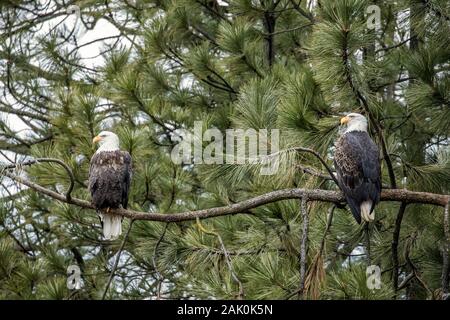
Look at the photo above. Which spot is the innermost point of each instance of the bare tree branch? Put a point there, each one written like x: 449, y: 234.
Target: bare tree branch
x: 24, y: 113
x: 401, y: 195
x: 116, y: 262
x: 367, y: 240
x: 407, y: 279
x: 395, y: 237
x: 395, y: 45
x: 288, y: 30
x: 330, y: 172
x: 303, y: 246
x: 159, y: 275
x: 227, y: 257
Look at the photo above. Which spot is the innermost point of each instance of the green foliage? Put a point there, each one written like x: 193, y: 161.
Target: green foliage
x: 350, y: 283
x: 246, y: 65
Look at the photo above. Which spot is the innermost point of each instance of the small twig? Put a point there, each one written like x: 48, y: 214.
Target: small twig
x: 367, y: 238
x: 39, y: 160
x: 288, y: 30
x: 116, y: 262
x: 395, y: 237
x: 227, y: 257
x: 230, y: 267
x: 155, y: 267
x: 329, y: 221
x: 395, y: 45
x: 315, y: 274
x: 385, y: 152
x: 414, y: 268
x: 303, y: 246
x: 317, y: 155
x: 305, y: 14
x: 314, y: 172
x: 405, y: 281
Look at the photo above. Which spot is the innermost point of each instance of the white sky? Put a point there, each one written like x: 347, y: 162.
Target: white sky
x: 102, y: 29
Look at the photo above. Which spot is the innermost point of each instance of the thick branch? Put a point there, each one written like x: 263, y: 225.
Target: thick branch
x: 401, y: 195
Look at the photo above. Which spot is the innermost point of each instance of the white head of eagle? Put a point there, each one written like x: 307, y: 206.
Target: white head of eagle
x: 107, y: 140
x: 109, y: 181
x: 357, y: 164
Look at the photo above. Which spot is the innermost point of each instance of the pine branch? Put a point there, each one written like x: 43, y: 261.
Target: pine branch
x: 395, y: 237
x: 303, y: 246
x: 299, y: 9
x: 414, y: 268
x: 327, y: 229
x: 401, y: 195
x: 269, y: 24
x: 20, y: 112
x: 405, y: 282
x: 288, y: 30
x: 116, y: 262
x: 314, y: 172
x: 367, y: 239
x: 395, y: 45
x: 227, y: 257
x: 330, y: 172
x: 316, y: 274
x: 40, y: 160
x: 160, y: 277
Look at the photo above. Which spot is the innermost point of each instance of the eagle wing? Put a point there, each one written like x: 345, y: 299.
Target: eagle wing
x: 110, y: 178
x: 126, y: 176
x: 358, y: 170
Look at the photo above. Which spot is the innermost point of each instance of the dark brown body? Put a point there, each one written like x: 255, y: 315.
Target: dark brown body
x: 357, y: 164
x: 109, y: 179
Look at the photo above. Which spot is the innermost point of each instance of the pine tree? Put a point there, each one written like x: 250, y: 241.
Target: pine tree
x: 295, y: 66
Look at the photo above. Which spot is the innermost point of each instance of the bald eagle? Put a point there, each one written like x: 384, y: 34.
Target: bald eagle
x: 357, y: 164
x: 109, y: 181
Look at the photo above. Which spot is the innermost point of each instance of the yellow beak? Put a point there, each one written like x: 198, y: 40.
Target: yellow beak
x: 96, y: 139
x: 344, y: 120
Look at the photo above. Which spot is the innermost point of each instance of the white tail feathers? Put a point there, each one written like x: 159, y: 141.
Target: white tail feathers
x: 365, y: 211
x: 112, y: 226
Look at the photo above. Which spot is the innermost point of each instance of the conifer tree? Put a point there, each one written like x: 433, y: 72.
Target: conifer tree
x: 290, y: 65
